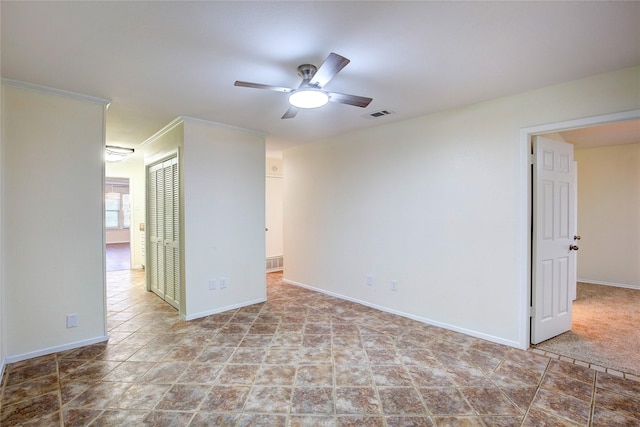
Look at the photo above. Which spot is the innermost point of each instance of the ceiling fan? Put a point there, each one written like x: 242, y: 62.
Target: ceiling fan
x: 310, y: 93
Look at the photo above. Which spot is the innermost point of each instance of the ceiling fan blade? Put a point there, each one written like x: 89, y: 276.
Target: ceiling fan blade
x: 329, y: 68
x: 291, y: 113
x: 343, y: 98
x: 261, y: 86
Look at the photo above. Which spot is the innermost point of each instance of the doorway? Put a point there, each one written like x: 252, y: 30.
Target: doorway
x: 526, y: 136
x: 117, y: 212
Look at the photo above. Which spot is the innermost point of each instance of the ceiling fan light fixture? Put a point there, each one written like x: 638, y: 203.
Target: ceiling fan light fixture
x: 308, y: 98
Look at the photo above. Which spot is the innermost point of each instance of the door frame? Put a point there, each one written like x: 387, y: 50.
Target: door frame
x: 526, y: 205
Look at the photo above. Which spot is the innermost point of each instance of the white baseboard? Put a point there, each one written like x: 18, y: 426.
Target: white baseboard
x: 50, y: 350
x: 2, y: 365
x: 420, y: 319
x: 223, y: 309
x: 617, y: 285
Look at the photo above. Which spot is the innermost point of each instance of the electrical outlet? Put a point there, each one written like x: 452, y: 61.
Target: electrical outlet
x: 72, y: 320
x: 212, y: 285
x: 369, y: 280
x: 224, y: 282
x: 394, y: 285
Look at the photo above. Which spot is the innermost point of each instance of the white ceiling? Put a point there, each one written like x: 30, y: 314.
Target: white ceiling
x: 160, y: 60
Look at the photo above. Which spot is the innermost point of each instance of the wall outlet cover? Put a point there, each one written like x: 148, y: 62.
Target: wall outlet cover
x: 72, y: 320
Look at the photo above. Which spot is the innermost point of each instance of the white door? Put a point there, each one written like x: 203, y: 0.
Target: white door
x: 553, y: 238
x: 574, y: 291
x: 163, y: 261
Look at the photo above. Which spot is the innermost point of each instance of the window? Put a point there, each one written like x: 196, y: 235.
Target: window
x: 126, y: 211
x: 112, y: 210
x: 117, y: 204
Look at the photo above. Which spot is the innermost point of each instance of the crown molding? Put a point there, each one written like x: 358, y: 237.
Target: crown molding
x: 172, y: 124
x: 57, y: 92
x: 185, y: 119
x: 222, y: 125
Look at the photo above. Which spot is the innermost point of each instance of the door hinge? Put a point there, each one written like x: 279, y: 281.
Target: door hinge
x: 532, y: 159
x: 531, y: 311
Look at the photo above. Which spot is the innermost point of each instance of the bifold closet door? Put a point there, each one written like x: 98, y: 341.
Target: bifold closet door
x: 164, y: 229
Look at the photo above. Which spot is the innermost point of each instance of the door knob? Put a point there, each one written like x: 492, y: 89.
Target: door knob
x: 573, y: 248
x: 576, y: 237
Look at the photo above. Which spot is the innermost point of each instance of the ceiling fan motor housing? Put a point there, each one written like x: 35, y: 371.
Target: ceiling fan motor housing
x: 307, y: 71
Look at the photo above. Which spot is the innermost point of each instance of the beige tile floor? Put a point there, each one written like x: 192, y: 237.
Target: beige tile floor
x: 301, y: 359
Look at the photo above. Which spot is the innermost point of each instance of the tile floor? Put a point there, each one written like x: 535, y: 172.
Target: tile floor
x: 301, y: 359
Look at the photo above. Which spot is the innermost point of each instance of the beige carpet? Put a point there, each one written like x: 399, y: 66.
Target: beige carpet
x: 605, y: 329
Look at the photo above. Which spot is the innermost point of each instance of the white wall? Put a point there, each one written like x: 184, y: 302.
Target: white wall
x: 434, y: 203
x: 115, y: 235
x: 132, y: 167
x: 224, y: 216
x: 609, y: 214
x: 53, y: 220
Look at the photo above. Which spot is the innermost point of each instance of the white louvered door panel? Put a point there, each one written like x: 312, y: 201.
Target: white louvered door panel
x: 172, y: 283
x: 160, y: 242
x: 155, y: 232
x: 175, y: 250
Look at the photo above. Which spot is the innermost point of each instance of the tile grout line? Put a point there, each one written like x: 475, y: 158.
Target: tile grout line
x: 593, y: 366
x: 373, y: 379
x: 538, y: 388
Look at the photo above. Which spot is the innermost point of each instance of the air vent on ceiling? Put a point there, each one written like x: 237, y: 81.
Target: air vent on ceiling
x: 378, y: 113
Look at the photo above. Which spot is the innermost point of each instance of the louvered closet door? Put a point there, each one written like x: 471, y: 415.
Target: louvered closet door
x: 164, y: 231
x: 155, y: 268
x: 171, y: 233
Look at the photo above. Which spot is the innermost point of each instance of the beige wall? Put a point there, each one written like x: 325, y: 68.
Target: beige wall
x: 224, y: 198
x: 609, y: 215
x: 53, y: 220
x: 274, y: 205
x: 437, y: 203
x: 222, y: 174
